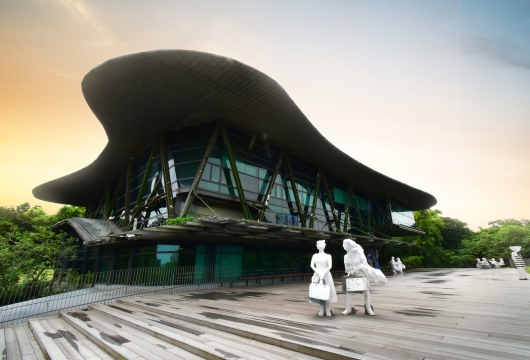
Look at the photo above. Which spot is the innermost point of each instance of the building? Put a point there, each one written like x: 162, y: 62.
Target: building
x: 195, y: 134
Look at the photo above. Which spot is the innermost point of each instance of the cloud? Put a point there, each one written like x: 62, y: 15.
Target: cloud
x: 80, y: 9
x: 496, y: 50
x: 70, y: 76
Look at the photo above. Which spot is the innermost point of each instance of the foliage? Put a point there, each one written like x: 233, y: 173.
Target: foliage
x: 494, y: 242
x: 415, y: 261
x: 454, y: 232
x: 432, y: 224
x: 527, y: 268
x: 29, y: 247
x: 178, y: 220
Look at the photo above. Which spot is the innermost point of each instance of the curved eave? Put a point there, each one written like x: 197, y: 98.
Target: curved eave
x: 136, y: 97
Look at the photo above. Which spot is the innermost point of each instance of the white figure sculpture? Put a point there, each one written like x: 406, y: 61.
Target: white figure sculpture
x: 519, y: 262
x: 355, y: 263
x: 396, y: 269
x: 479, y: 263
x: 400, y: 265
x: 485, y: 264
x: 321, y: 264
x: 493, y: 263
x: 501, y: 262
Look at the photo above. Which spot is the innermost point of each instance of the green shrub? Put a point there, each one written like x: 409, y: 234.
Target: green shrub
x: 178, y: 220
x: 414, y: 261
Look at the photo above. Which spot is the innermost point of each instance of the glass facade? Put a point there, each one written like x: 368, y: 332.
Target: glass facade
x: 239, y: 260
x: 325, y: 203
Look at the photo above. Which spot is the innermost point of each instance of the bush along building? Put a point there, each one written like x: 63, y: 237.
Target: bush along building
x: 210, y: 163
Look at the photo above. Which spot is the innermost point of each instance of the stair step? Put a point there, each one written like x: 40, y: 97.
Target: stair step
x: 228, y: 344
x: 17, y: 342
x: 243, y: 325
x: 141, y: 343
x: 61, y: 341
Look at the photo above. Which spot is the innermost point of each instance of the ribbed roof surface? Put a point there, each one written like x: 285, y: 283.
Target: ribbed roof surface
x: 138, y: 96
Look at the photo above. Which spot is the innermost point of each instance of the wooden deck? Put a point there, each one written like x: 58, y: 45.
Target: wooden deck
x: 431, y: 314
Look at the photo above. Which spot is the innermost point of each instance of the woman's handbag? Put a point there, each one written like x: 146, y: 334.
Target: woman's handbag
x: 354, y: 284
x: 319, y: 291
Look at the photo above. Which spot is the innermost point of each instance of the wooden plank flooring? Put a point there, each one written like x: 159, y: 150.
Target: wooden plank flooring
x: 438, y: 314
x: 431, y: 314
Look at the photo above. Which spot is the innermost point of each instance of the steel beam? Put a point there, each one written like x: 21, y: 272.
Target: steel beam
x: 356, y: 205
x: 200, y: 170
x: 389, y: 206
x: 107, y: 201
x: 232, y: 160
x: 146, y: 174
x: 330, y: 199
x: 315, y: 200
x: 381, y: 210
x: 295, y: 190
x: 170, y: 205
x: 347, y: 210
x: 128, y: 192
x: 115, y: 195
x: 272, y: 181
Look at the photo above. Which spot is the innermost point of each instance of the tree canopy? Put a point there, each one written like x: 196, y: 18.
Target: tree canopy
x: 28, y: 246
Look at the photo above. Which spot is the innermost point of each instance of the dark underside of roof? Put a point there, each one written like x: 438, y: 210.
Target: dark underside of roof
x: 137, y: 97
x: 214, y: 229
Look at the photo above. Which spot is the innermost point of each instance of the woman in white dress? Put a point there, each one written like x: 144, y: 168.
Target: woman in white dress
x: 321, y: 264
x: 355, y: 263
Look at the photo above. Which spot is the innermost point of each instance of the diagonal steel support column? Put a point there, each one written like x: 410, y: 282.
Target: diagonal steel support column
x: 295, y: 190
x: 389, y: 206
x: 386, y: 216
x: 170, y: 204
x: 315, y: 200
x: 200, y: 170
x: 356, y: 205
x: 347, y: 210
x: 232, y: 160
x: 128, y: 192
x: 115, y: 195
x: 272, y: 181
x: 330, y: 199
x: 137, y: 205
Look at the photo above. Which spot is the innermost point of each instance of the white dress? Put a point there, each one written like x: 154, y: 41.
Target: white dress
x: 328, y: 279
x: 357, y: 263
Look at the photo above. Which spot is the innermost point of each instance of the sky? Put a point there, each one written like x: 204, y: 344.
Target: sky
x: 435, y: 94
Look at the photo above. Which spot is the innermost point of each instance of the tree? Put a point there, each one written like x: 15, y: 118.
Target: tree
x: 454, y: 232
x: 28, y: 246
x: 494, y: 242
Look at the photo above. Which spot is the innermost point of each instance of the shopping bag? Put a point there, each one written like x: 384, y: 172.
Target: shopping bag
x: 356, y: 284
x: 319, y: 291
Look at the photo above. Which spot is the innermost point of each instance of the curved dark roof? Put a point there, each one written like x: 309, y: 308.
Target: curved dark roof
x: 138, y: 96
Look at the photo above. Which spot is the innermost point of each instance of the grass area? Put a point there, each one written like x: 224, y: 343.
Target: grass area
x: 527, y: 268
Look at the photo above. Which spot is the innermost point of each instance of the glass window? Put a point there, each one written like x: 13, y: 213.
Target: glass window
x: 93, y: 252
x: 145, y: 249
x: 106, y: 251
x: 209, y: 186
x: 206, y: 174
x: 215, y: 173
x: 249, y: 182
x: 121, y: 263
x: 105, y: 264
x: 187, y: 170
x: 124, y: 250
x: 166, y: 247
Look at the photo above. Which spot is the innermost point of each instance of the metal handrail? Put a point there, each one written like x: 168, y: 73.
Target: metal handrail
x: 73, y: 291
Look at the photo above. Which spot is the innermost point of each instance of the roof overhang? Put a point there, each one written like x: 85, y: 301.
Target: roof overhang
x: 138, y: 96
x: 221, y: 229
